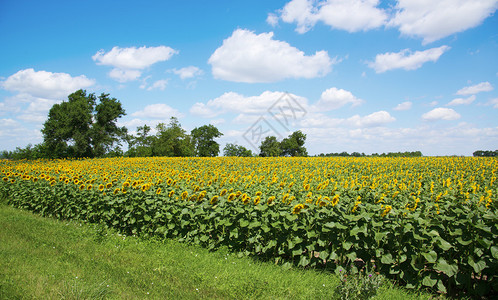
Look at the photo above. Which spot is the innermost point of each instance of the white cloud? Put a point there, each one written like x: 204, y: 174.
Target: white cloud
x: 372, y: 120
x: 404, y: 106
x: 272, y: 19
x: 45, y: 84
x: 405, y: 59
x: 352, y: 15
x: 231, y: 102
x: 335, y: 98
x: 248, y: 57
x: 441, y: 113
x: 124, y: 75
x: 188, y: 72
x: 128, y: 62
x: 133, y: 58
x: 157, y: 111
x: 349, y: 15
x: 433, y: 20
x: 461, y: 101
x: 8, y: 123
x: 493, y: 102
x: 159, y: 84
x: 474, y: 89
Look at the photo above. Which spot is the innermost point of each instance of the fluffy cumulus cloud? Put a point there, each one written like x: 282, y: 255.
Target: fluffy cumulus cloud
x: 249, y: 57
x: 188, y: 72
x: 45, y: 84
x: 425, y: 19
x: 158, y: 84
x: 128, y: 62
x: 403, y: 106
x: 335, y: 98
x: 462, y: 101
x: 474, y: 89
x: 157, y: 111
x: 375, y: 119
x: 433, y: 20
x: 231, y: 102
x: 441, y: 113
x: 405, y: 59
x: 349, y: 15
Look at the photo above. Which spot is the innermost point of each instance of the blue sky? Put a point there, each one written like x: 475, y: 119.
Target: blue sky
x: 353, y: 75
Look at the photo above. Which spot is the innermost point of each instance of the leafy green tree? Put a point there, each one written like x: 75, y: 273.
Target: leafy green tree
x: 203, y: 140
x: 236, y: 150
x: 141, y: 144
x: 172, y: 140
x: 294, y: 144
x: 270, y: 146
x: 82, y: 128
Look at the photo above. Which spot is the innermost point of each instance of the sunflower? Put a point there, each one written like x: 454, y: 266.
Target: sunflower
x: 231, y: 196
x: 82, y: 187
x: 158, y: 191
x: 108, y: 185
x: 270, y: 200
x: 297, y: 208
x: 171, y: 193
x: 101, y: 187
x: 257, y: 200
x: 116, y: 190
x: 214, y: 199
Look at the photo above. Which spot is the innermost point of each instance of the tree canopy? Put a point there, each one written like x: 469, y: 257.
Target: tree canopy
x: 203, y: 140
x: 83, y: 127
x: 236, y: 150
x: 270, y: 146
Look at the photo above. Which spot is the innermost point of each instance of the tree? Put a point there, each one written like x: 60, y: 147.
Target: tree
x: 236, y: 150
x: 141, y: 144
x: 203, y: 140
x: 172, y: 140
x: 294, y: 144
x: 82, y: 128
x: 270, y: 147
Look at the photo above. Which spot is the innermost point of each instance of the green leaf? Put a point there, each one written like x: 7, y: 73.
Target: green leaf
x: 347, y: 245
x: 324, y: 255
x: 494, y: 251
x: 243, y: 223
x: 462, y: 242
x: 477, y: 266
x: 429, y: 280
x: 430, y: 256
x: 444, y: 244
x: 387, y: 259
x: 447, y: 268
x: 297, y: 252
x: 303, y: 262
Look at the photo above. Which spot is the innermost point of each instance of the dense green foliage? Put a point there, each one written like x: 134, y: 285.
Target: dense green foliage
x: 236, y: 150
x: 81, y: 127
x: 424, y: 222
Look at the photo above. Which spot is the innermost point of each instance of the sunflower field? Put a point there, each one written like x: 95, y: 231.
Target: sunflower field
x: 425, y: 221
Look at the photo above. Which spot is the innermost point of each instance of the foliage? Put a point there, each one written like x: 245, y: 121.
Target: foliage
x: 294, y: 144
x: 203, y: 140
x: 270, y: 147
x: 389, y: 154
x: 236, y: 150
x: 481, y: 153
x: 425, y: 222
x: 81, y: 127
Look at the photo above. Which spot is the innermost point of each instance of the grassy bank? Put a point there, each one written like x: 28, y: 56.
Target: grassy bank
x: 42, y: 258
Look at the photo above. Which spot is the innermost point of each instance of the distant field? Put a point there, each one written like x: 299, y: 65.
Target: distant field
x: 422, y: 221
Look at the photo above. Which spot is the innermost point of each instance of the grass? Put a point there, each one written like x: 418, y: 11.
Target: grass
x: 42, y: 258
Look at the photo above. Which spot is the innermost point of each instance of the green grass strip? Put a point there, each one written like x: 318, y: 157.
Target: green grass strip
x: 42, y: 258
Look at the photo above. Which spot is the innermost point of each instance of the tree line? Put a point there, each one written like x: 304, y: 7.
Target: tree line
x: 85, y: 126
x: 485, y: 153
x: 389, y: 154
